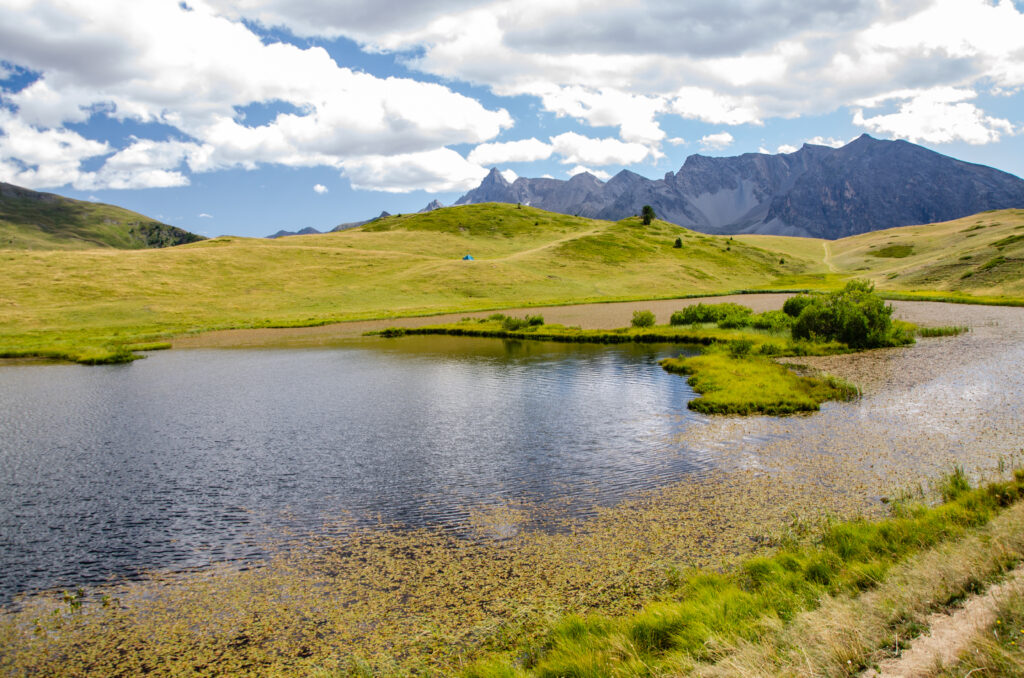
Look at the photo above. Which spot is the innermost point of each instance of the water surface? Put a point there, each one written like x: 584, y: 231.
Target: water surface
x: 190, y: 457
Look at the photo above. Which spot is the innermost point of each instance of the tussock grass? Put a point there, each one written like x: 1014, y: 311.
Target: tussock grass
x: 808, y: 609
x: 943, y: 331
x: 996, y: 651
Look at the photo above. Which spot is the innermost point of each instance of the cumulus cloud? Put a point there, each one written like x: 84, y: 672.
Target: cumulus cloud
x: 717, y: 142
x: 204, y: 215
x: 940, y: 115
x: 436, y: 171
x: 704, y: 104
x: 509, y: 175
x: 576, y: 148
x: 580, y: 169
x: 524, y: 150
x: 195, y: 70
x: 319, y: 189
x: 718, y: 61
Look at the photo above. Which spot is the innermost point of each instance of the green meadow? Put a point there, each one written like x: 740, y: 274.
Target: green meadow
x: 98, y: 304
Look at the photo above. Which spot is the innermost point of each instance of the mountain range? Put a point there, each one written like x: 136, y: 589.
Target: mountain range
x: 817, y: 191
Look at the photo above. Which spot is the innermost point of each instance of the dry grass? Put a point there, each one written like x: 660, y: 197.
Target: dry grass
x: 847, y: 634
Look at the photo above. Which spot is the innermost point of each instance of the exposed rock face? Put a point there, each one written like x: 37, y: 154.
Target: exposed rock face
x: 431, y: 206
x: 818, y: 191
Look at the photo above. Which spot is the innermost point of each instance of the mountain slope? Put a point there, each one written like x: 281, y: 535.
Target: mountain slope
x: 33, y: 220
x: 817, y: 191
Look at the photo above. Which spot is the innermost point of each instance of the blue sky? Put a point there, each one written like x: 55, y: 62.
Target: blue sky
x: 249, y: 116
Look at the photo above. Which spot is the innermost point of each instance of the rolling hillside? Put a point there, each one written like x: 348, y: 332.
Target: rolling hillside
x: 30, y: 220
x: 91, y: 303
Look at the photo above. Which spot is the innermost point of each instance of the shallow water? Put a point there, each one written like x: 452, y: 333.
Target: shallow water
x: 190, y: 457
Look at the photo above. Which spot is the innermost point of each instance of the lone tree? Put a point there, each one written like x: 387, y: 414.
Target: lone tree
x: 647, y: 214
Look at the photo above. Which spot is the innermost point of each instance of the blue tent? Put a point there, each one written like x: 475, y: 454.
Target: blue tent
x: 468, y: 257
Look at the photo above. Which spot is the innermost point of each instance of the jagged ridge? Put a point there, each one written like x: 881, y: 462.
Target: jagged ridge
x: 817, y: 191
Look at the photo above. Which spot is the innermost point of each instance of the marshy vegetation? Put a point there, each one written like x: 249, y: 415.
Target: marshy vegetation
x: 736, y: 372
x: 704, y: 617
x: 595, y: 602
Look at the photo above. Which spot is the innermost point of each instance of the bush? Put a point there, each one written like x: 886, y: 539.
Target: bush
x: 855, y: 316
x: 534, y: 320
x: 710, y: 313
x: 643, y: 319
x: 678, y: 243
x: 794, y: 306
x: 510, y: 324
x: 771, y: 320
x: 740, y: 347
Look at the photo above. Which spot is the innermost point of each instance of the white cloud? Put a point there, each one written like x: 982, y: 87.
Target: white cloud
x: 606, y: 107
x: 576, y: 148
x: 204, y: 215
x: 436, y: 171
x: 509, y: 175
x: 787, y: 148
x: 704, y: 104
x: 939, y: 115
x: 717, y: 141
x: 826, y: 141
x: 677, y: 141
x: 524, y: 150
x: 721, y: 62
x: 580, y: 169
x: 319, y: 189
x: 195, y: 70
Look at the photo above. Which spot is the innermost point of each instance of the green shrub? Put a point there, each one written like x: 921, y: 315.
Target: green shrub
x: 711, y: 313
x: 740, y: 347
x: 795, y: 305
x: 510, y: 324
x: 643, y: 319
x: 771, y: 320
x: 855, y: 316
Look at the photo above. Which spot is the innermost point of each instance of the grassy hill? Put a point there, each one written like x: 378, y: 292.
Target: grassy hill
x: 30, y: 220
x: 85, y: 304
x: 978, y: 255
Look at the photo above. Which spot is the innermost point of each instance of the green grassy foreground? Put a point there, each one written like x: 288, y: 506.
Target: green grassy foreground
x: 712, y: 623
x: 92, y: 305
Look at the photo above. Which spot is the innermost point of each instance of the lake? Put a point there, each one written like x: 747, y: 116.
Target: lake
x: 191, y: 457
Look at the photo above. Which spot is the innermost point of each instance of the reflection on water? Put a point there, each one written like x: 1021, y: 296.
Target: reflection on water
x: 194, y: 456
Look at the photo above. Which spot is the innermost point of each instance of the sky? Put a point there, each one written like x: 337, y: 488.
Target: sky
x: 248, y: 116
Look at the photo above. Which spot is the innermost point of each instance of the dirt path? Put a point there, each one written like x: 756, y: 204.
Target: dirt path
x: 828, y: 258
x: 587, y: 316
x: 949, y: 634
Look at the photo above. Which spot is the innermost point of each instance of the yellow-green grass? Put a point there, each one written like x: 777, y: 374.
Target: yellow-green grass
x: 980, y: 255
x: 997, y: 650
x: 92, y: 302
x: 59, y: 223
x: 696, y: 625
x: 751, y: 384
